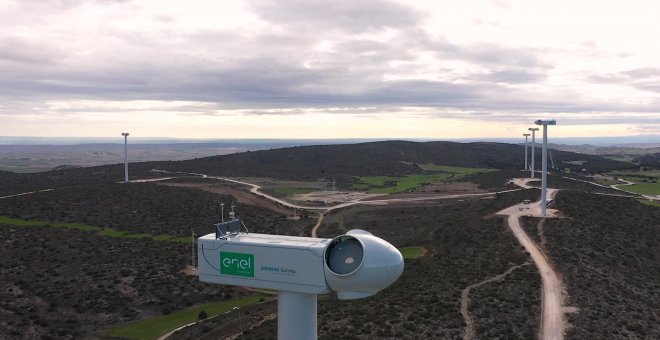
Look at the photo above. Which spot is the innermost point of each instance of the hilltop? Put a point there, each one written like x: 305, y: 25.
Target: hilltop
x: 390, y: 158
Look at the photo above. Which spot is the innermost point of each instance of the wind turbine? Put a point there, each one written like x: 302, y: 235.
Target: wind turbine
x: 125, y: 134
x: 526, y: 164
x: 544, y: 162
x: 533, y: 147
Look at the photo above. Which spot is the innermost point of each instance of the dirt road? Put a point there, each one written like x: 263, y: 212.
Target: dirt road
x: 552, y: 318
x: 25, y: 193
x: 552, y: 321
x: 465, y: 300
x: 241, y: 196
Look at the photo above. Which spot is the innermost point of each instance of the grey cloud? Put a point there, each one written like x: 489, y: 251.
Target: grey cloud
x: 643, y: 72
x: 647, y: 79
x: 343, y: 15
x: 513, y: 77
x: 28, y: 50
x: 281, y: 69
x: 491, y: 54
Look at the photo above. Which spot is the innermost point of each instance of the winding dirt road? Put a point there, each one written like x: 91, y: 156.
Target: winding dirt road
x: 465, y: 300
x: 552, y: 318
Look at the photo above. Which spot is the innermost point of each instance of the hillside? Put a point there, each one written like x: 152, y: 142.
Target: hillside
x: 608, y: 250
x: 391, y: 158
x: 651, y: 160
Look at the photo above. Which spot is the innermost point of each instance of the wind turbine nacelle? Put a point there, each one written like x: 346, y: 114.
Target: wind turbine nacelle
x: 359, y: 264
x: 283, y: 263
x: 354, y: 265
x: 545, y: 122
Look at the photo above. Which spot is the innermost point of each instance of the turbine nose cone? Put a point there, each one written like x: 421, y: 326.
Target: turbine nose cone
x: 395, y: 266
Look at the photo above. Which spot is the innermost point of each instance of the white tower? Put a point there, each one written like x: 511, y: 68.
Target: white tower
x: 526, y: 164
x: 533, y: 147
x: 544, y: 162
x: 125, y: 134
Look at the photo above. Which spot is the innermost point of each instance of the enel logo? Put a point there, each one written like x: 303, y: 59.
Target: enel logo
x: 237, y: 264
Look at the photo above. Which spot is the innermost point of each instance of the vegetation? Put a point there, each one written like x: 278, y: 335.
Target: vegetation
x: 608, y: 252
x: 344, y: 162
x: 89, y: 255
x: 144, y: 208
x: 154, y: 327
x: 462, y: 248
x: 651, y: 203
x: 454, y: 169
x: 644, y: 188
x: 647, y: 181
x: 391, y: 158
x: 495, y: 180
x: 100, y: 231
x: 96, y: 263
x: 577, y: 182
x: 412, y: 252
x: 515, y: 299
x: 391, y: 185
x: 67, y: 283
x: 650, y: 160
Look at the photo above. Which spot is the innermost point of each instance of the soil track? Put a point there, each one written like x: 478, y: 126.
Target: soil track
x: 241, y: 196
x: 465, y: 300
x: 552, y: 318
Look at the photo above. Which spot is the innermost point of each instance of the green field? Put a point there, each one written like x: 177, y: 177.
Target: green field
x: 392, y: 185
x: 651, y: 189
x: 454, y: 169
x: 154, y: 327
x: 643, y: 181
x: 84, y: 227
x: 627, y: 159
x: 412, y: 252
x: 651, y: 173
x: 651, y: 203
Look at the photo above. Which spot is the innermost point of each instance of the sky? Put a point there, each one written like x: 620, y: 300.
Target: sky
x: 328, y: 69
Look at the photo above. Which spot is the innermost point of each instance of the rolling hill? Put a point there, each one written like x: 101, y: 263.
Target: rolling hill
x: 390, y: 158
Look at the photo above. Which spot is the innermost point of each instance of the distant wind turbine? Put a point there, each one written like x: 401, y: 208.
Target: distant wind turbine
x: 125, y: 134
x: 544, y: 162
x: 533, y: 147
x: 526, y: 164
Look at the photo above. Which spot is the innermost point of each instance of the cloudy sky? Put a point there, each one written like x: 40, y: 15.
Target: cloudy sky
x: 328, y: 69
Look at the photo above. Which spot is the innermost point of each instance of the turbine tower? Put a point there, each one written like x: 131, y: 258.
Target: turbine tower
x: 533, y: 147
x: 526, y: 164
x: 125, y: 134
x: 544, y: 162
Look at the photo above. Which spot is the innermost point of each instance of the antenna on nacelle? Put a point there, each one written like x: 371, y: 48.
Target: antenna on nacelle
x: 222, y: 212
x: 232, y: 227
